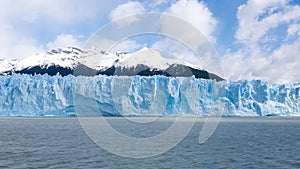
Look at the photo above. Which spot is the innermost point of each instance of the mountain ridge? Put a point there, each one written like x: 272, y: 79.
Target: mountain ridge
x: 71, y: 60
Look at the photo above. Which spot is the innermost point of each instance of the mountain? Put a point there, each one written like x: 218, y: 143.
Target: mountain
x: 71, y: 60
x: 7, y: 65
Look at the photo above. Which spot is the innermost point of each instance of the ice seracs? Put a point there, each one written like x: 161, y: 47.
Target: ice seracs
x: 44, y: 95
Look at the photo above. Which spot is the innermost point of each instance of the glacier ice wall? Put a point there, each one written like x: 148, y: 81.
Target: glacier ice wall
x: 43, y: 95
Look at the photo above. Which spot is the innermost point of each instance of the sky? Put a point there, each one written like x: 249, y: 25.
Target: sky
x: 255, y: 39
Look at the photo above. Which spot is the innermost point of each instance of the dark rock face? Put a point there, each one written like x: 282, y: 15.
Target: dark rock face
x: 142, y: 70
x: 51, y: 70
x: 172, y: 71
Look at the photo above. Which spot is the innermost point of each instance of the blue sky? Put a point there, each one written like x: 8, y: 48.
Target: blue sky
x: 255, y: 39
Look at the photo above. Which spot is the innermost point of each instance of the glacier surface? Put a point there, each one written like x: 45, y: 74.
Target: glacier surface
x: 44, y: 95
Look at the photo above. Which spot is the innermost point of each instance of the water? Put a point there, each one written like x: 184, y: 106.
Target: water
x: 237, y: 143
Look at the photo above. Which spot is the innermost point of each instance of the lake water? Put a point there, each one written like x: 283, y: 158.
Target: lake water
x: 272, y: 142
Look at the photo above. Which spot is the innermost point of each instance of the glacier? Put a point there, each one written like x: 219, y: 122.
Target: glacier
x: 44, y: 95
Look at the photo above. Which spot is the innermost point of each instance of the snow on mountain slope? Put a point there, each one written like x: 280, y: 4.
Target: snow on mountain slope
x: 7, y: 65
x: 111, y: 59
x: 65, y: 58
x: 147, y: 57
x: 150, y: 58
x: 93, y: 58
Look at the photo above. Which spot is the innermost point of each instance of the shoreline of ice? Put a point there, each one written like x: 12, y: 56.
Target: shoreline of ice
x: 44, y: 95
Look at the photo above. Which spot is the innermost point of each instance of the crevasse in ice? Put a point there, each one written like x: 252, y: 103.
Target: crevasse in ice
x: 43, y: 95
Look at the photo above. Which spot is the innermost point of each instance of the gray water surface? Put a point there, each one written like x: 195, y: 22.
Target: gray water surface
x: 237, y: 143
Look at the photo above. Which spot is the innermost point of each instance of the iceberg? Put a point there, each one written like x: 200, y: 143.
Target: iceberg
x: 44, y: 95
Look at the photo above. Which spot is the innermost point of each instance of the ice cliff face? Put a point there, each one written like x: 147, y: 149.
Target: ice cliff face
x: 44, y: 95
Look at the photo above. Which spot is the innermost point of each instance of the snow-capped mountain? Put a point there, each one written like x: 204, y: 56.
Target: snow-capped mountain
x: 7, y: 65
x: 145, y: 62
x: 56, y: 60
x: 148, y: 62
x: 150, y: 58
x: 65, y: 58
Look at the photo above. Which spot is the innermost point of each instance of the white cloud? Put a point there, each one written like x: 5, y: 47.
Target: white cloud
x: 16, y: 45
x: 23, y: 24
x: 177, y: 50
x: 263, y: 55
x: 293, y: 29
x: 127, y: 46
x: 127, y: 9
x: 65, y: 40
x: 256, y: 18
x: 58, y: 11
x: 196, y: 13
x: 159, y: 2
